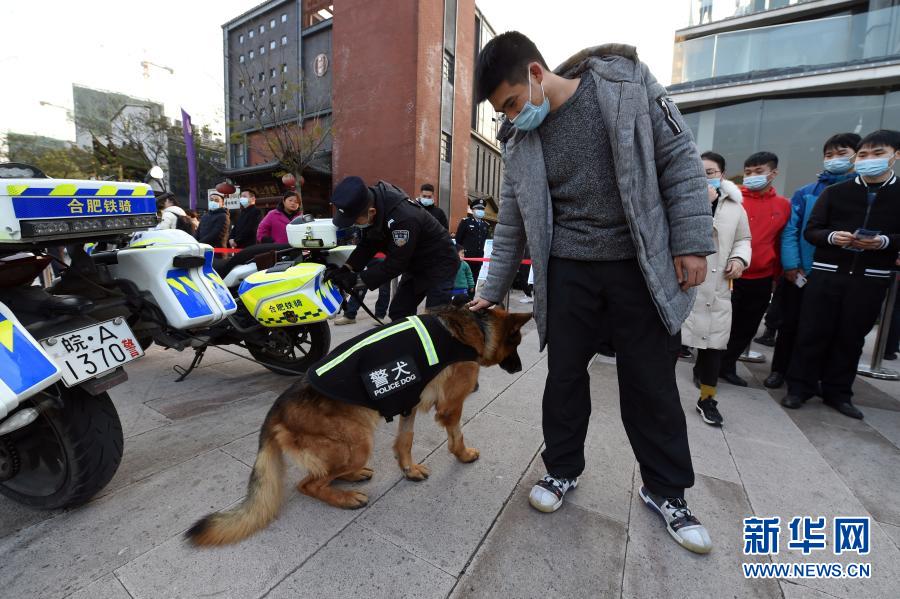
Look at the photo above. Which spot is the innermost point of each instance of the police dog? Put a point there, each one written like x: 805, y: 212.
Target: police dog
x: 332, y: 440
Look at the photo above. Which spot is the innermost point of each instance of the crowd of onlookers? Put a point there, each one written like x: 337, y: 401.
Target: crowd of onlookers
x: 820, y: 263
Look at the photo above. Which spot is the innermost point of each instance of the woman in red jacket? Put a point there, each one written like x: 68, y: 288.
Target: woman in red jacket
x: 273, y: 228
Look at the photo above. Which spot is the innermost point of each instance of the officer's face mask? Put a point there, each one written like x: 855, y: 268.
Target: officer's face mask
x: 370, y: 218
x: 478, y: 213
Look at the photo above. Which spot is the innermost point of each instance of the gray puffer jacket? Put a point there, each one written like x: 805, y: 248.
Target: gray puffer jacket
x: 658, y: 171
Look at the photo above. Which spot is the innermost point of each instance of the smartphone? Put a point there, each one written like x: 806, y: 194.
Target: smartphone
x: 866, y: 234
x: 800, y: 281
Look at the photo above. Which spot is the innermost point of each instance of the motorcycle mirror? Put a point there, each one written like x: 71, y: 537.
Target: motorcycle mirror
x: 157, y: 173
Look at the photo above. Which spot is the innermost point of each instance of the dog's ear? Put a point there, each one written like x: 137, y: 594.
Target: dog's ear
x: 459, y: 301
x: 517, y: 320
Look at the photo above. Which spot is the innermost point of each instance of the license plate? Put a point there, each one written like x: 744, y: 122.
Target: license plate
x: 90, y: 352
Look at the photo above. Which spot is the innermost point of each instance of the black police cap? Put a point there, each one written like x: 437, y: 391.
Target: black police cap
x: 350, y: 199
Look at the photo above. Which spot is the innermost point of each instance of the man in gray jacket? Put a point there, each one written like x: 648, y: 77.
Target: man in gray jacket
x: 604, y: 181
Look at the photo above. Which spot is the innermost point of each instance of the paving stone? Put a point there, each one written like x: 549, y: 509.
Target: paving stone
x: 791, y: 483
x: 14, y: 516
x: 360, y: 563
x: 521, y: 401
x: 107, y: 587
x: 572, y: 552
x: 794, y: 590
x: 892, y: 531
x: 164, y: 447
x: 136, y: 417
x: 886, y: 422
x: 867, y: 462
x: 57, y: 557
x: 459, y: 502
x: 218, y: 394
x: 655, y: 566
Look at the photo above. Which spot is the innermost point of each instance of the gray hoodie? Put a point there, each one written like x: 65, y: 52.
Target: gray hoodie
x: 658, y: 172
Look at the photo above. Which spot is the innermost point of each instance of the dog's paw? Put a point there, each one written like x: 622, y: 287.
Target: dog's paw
x: 362, y: 474
x: 417, y: 472
x: 354, y: 500
x: 468, y: 455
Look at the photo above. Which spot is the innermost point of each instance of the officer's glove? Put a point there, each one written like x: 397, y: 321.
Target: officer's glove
x: 332, y: 271
x: 349, y: 281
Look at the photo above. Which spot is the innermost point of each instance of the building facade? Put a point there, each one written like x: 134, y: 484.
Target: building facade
x: 784, y: 75
x: 380, y: 89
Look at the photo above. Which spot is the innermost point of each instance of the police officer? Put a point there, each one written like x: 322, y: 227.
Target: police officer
x: 471, y: 234
x: 415, y: 244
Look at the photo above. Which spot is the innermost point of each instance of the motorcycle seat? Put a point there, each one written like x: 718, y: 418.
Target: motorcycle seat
x: 65, y: 304
x: 246, y: 255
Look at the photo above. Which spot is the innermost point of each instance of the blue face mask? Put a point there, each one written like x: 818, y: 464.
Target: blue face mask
x: 245, y: 202
x: 213, y: 205
x: 531, y: 115
x: 873, y: 167
x: 756, y: 182
x: 715, y: 183
x: 837, y: 166
x: 426, y: 201
x: 478, y: 213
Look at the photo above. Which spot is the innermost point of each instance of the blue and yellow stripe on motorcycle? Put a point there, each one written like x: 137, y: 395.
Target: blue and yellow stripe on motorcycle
x: 23, y: 364
x: 217, y: 284
x: 188, y: 293
x: 68, y: 199
x: 322, y: 297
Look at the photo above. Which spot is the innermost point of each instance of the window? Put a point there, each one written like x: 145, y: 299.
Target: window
x: 284, y: 85
x: 272, y: 73
x: 274, y: 89
x: 448, y: 66
x: 262, y: 76
x: 241, y: 84
x: 250, y: 34
x: 241, y: 38
x: 284, y: 18
x: 262, y: 112
x: 252, y: 55
x: 283, y: 40
x: 284, y: 106
x: 272, y: 24
x: 241, y: 100
x: 243, y: 117
x: 241, y: 59
x: 262, y: 50
x: 262, y: 92
x: 284, y: 67
x: 252, y: 97
x: 262, y: 28
x: 446, y: 147
x: 272, y: 45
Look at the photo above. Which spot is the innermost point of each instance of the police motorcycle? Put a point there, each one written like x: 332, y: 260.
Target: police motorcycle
x: 62, y: 345
x: 270, y: 299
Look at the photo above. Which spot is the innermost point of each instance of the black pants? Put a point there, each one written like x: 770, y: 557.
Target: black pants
x: 707, y: 366
x: 775, y: 311
x: 837, y: 313
x: 412, y: 290
x: 475, y: 266
x: 790, y: 299
x: 749, y: 301
x: 893, y: 340
x: 646, y: 356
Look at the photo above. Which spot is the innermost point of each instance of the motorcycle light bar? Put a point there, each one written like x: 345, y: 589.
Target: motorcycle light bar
x: 64, y: 226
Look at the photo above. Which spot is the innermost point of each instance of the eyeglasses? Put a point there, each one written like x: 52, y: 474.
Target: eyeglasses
x: 712, y: 173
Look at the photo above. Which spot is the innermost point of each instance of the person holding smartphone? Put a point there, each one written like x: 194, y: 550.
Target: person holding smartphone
x: 855, y: 228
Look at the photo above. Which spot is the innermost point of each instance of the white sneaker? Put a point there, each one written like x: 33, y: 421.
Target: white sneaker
x: 547, y: 494
x: 682, y: 525
x: 344, y: 320
x: 526, y: 300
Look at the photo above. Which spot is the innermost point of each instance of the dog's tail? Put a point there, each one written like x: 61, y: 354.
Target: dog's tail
x: 259, y: 508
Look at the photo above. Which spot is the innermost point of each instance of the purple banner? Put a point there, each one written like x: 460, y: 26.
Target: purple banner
x: 191, y: 156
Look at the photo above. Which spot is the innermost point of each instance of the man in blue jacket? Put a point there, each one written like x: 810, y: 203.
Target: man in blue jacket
x: 797, y: 253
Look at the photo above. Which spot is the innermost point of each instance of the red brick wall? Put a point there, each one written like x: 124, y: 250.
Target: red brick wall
x: 462, y: 109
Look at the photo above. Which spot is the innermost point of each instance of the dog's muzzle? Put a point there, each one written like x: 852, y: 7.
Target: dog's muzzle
x: 512, y: 363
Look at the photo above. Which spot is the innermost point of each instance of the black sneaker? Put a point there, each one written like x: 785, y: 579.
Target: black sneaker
x: 685, y: 352
x: 890, y: 356
x: 767, y: 338
x: 709, y: 412
x: 682, y: 525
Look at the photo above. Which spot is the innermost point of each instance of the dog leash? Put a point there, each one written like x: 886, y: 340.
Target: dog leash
x: 359, y: 298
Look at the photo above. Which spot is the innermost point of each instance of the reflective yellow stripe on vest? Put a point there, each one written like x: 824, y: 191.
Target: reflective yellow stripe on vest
x: 412, y: 322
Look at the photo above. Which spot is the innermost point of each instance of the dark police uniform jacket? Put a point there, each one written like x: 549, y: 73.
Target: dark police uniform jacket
x: 414, y: 243
x: 386, y: 369
x: 471, y: 235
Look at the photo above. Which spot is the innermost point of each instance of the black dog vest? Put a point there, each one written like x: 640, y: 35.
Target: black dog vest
x: 387, y: 369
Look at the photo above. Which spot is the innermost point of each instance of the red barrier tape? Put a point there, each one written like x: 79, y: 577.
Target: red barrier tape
x: 226, y: 250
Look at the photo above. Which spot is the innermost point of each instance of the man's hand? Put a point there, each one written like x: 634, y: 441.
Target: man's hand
x: 711, y: 193
x: 842, y: 238
x: 734, y: 269
x: 479, y: 303
x: 690, y: 270
x: 792, y: 274
x: 231, y: 243
x: 871, y: 243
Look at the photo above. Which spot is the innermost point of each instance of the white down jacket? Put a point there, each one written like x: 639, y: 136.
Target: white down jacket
x: 709, y: 324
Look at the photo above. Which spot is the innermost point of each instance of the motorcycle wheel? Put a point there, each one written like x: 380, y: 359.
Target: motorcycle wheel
x: 291, y: 350
x: 68, y: 454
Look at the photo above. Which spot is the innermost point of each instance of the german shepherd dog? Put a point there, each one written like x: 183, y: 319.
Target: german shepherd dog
x: 332, y: 440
